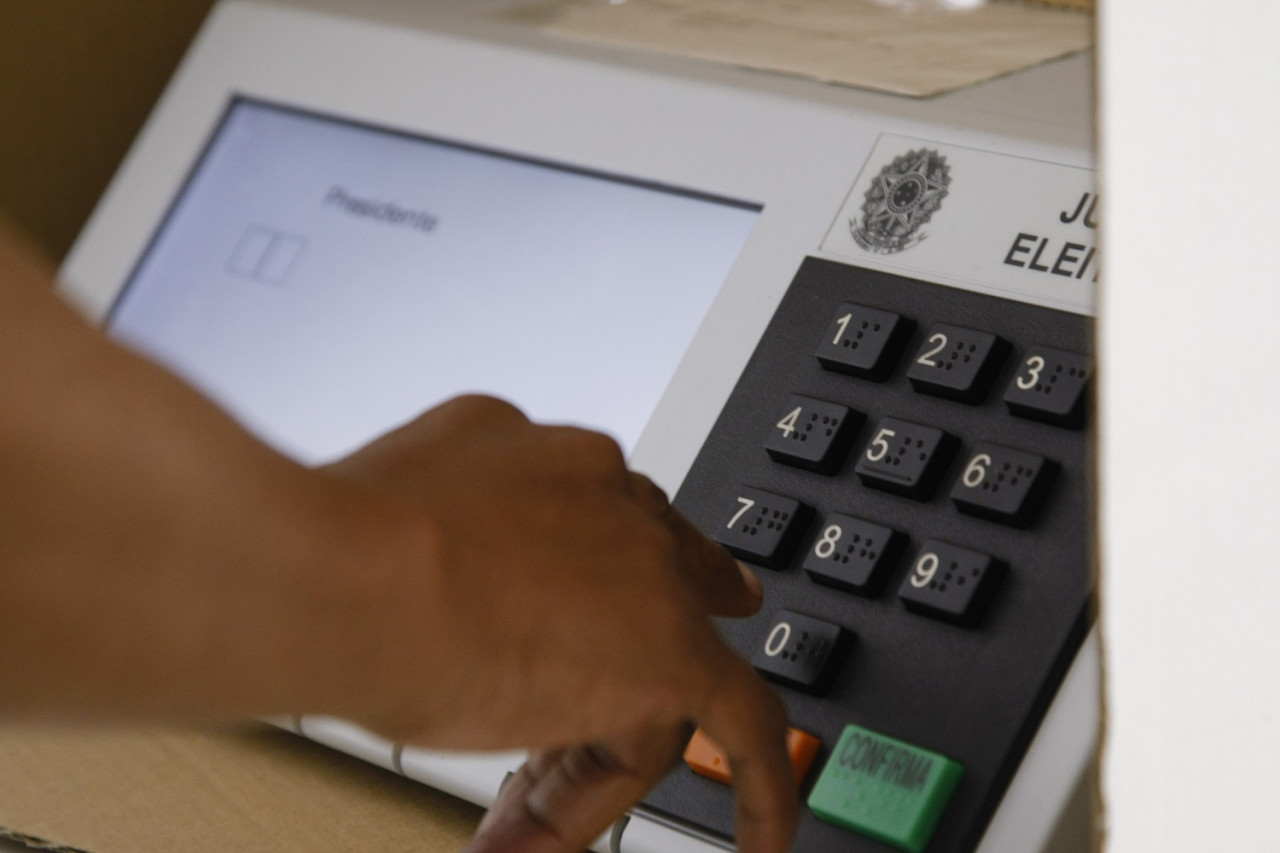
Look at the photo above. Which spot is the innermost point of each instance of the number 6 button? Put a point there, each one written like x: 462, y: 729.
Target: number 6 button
x: 762, y: 527
x: 802, y: 652
x: 1003, y: 484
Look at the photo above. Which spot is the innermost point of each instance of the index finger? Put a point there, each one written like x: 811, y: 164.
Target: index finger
x: 721, y: 585
x: 749, y: 722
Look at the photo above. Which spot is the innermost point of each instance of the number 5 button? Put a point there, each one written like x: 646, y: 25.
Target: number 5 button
x: 813, y: 434
x: 762, y: 527
x: 1003, y: 484
x: 904, y: 458
x: 802, y: 652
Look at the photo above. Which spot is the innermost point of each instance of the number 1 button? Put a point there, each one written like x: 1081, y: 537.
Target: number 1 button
x: 813, y: 434
x: 762, y: 527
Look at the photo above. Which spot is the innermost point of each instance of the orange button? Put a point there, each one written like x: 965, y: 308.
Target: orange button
x: 706, y: 758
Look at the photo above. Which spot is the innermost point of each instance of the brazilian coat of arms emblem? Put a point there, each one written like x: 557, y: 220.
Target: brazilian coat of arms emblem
x: 902, y: 198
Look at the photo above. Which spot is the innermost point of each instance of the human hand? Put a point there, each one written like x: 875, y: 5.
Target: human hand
x: 565, y: 609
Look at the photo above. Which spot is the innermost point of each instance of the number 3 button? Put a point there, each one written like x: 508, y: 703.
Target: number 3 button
x: 802, y: 652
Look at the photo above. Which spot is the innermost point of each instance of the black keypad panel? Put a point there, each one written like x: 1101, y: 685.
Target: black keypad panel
x: 1051, y: 385
x: 956, y: 363
x: 813, y: 434
x: 950, y: 583
x: 863, y: 341
x: 761, y: 527
x: 904, y: 458
x: 1003, y: 484
x: 800, y: 651
x: 939, y: 514
x: 853, y: 554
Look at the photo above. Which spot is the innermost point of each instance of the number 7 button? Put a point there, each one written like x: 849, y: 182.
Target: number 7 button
x: 762, y: 527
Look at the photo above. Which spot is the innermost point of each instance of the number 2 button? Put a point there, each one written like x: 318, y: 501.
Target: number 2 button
x: 762, y: 527
x: 813, y: 434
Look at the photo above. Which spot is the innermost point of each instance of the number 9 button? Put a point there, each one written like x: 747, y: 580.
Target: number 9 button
x: 951, y: 583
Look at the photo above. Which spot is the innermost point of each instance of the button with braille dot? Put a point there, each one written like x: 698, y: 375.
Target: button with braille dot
x: 762, y: 527
x: 904, y: 458
x: 853, y: 554
x: 1003, y: 484
x: 863, y: 341
x: 956, y: 363
x: 951, y: 583
x: 800, y: 651
x: 1050, y: 386
x: 813, y: 434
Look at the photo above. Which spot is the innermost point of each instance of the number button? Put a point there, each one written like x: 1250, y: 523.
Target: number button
x: 762, y: 527
x: 801, y: 652
x: 1050, y: 386
x: 904, y: 458
x: 864, y: 342
x: 853, y: 554
x: 957, y: 363
x: 1003, y: 484
x: 950, y: 583
x: 813, y: 434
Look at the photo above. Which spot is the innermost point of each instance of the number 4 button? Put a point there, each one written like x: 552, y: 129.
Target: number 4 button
x: 813, y: 434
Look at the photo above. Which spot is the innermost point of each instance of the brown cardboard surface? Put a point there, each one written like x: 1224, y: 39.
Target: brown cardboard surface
x: 915, y: 48
x: 251, y: 788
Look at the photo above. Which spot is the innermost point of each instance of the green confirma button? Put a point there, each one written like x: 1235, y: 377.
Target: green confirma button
x: 884, y: 788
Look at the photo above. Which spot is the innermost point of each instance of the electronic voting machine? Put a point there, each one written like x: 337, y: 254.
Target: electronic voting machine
x: 850, y: 332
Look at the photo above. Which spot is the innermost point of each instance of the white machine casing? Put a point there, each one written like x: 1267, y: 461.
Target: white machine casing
x: 457, y: 71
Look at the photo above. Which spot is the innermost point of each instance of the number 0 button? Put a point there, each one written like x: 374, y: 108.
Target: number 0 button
x: 802, y: 652
x: 762, y: 527
x: 813, y: 434
x: 950, y: 583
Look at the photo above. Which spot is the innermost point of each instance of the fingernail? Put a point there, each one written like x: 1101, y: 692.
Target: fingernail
x: 752, y: 582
